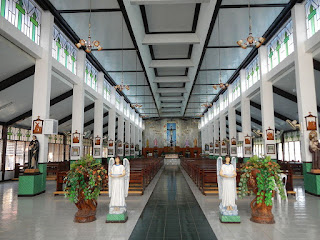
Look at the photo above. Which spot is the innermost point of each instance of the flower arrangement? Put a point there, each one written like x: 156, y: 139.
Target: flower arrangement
x: 263, y: 176
x: 85, y: 180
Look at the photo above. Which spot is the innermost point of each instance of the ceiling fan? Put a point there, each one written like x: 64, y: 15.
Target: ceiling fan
x: 257, y: 132
x: 293, y: 124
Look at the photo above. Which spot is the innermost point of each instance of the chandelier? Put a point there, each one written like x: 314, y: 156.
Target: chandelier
x: 221, y: 85
x: 89, y: 44
x: 200, y: 115
x: 136, y: 105
x: 121, y: 87
x: 144, y: 116
x: 206, y: 105
x: 251, y: 41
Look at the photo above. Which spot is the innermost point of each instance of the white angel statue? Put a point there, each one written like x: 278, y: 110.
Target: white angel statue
x: 119, y: 176
x: 227, y: 186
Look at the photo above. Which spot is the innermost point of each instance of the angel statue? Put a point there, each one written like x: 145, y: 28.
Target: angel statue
x: 227, y: 186
x: 119, y: 176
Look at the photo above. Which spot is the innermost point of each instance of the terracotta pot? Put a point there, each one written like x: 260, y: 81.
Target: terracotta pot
x: 260, y: 212
x: 86, y: 210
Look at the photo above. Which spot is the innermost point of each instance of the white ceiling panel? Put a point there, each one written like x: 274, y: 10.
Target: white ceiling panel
x: 84, y: 4
x: 171, y: 51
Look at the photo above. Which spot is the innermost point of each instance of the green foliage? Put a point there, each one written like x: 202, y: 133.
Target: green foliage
x: 86, y: 176
x: 267, y: 179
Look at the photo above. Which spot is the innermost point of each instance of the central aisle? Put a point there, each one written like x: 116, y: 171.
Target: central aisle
x: 172, y: 211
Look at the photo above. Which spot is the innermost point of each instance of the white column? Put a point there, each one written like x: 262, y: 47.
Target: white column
x: 42, y: 83
x: 210, y: 136
x: 216, y: 134
x: 112, y: 130
x: 132, y: 137
x: 98, y: 116
x: 121, y: 133
x: 140, y: 139
x: 127, y: 136
x: 136, y: 139
x: 232, y: 122
x: 267, y: 105
x: 305, y: 81
x: 78, y: 104
x: 245, y: 118
x: 223, y: 133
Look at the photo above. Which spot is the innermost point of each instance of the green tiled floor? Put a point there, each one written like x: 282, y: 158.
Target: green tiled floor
x: 172, y: 212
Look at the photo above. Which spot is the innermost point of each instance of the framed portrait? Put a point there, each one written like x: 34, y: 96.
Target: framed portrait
x: 110, y: 144
x: 128, y: 152
x: 137, y: 148
x: 247, y: 150
x: 211, y: 150
x: 76, y: 137
x: 110, y: 152
x: 120, y: 151
x: 233, y: 150
x: 37, y: 126
x: 97, y: 141
x: 119, y: 144
x: 270, y: 134
x: 233, y: 141
x: 216, y: 151
x: 311, y: 122
x: 271, y: 148
x: 217, y: 144
x: 75, y: 151
x: 247, y: 140
x: 126, y: 145
x: 132, y: 146
x: 96, y: 151
x: 131, y: 152
x: 223, y: 150
x: 223, y: 143
x: 206, y: 147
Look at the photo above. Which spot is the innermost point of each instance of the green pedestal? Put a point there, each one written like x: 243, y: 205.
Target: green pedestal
x: 117, y: 218
x: 229, y: 219
x: 306, y: 167
x: 312, y: 183
x: 31, y: 185
x: 211, y: 157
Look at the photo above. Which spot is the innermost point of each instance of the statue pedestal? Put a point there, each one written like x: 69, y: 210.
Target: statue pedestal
x: 117, y: 218
x: 229, y: 219
x: 312, y: 183
x: 31, y: 185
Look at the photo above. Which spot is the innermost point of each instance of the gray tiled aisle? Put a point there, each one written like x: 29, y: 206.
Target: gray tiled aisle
x: 172, y: 211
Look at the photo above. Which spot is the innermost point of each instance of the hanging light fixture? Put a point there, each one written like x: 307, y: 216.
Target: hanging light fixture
x: 206, y: 104
x: 121, y: 87
x: 221, y: 85
x: 89, y: 44
x: 136, y: 105
x: 251, y: 41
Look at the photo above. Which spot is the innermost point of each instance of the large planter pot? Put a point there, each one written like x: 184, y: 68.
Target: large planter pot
x: 86, y: 210
x: 260, y: 212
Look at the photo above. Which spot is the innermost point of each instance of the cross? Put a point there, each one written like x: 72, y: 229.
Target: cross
x: 312, y: 13
x: 59, y: 47
x: 34, y: 25
x: 270, y: 57
x: 286, y: 39
x: 19, y: 6
x: 278, y: 50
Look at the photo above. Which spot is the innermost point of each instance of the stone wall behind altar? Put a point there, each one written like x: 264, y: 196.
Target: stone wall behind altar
x: 185, y: 130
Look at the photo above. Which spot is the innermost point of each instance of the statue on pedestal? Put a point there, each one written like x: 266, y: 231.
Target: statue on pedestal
x: 314, y: 148
x: 119, y: 176
x: 155, y: 142
x: 33, y: 153
x: 227, y: 190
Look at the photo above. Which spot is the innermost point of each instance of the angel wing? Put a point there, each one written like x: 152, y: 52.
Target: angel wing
x: 219, y: 165
x: 126, y: 165
x: 234, y: 163
x: 111, y: 163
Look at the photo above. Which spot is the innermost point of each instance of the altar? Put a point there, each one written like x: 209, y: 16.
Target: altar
x: 171, y: 159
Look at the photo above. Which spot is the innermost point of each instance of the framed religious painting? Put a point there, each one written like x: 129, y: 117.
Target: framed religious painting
x: 247, y: 151
x: 216, y: 151
x: 270, y: 134
x: 137, y: 148
x: 75, y: 151
x: 271, y: 148
x: 223, y: 143
x: 37, y: 126
x: 233, y: 141
x: 110, y: 143
x: 233, y: 150
x: 247, y: 140
x: 120, y: 144
x: 97, y: 151
x: 224, y: 150
x: 120, y: 151
x: 110, y: 152
x: 311, y: 122
x: 97, y: 141
x: 206, y: 147
x: 132, y: 146
x: 76, y: 137
x: 217, y: 144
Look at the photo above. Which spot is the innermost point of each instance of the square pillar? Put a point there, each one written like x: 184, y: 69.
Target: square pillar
x: 216, y: 134
x: 111, y: 131
x: 232, y: 122
x: 132, y: 138
x: 127, y: 137
x: 223, y: 134
x: 121, y: 135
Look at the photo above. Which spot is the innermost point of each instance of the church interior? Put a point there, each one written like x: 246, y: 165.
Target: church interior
x: 159, y: 119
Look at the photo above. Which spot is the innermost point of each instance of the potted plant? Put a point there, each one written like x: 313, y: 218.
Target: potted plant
x: 83, y: 184
x: 260, y: 176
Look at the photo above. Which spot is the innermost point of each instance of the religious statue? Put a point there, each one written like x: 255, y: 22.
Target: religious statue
x: 33, y: 153
x: 314, y: 148
x: 119, y: 176
x: 147, y: 143
x: 227, y: 188
x: 195, y: 142
x: 155, y: 142
x: 187, y: 143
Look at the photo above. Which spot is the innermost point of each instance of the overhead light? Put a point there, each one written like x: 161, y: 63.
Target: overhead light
x: 206, y: 105
x: 136, y: 105
x: 89, y: 44
x: 257, y: 132
x: 251, y: 41
x: 293, y: 124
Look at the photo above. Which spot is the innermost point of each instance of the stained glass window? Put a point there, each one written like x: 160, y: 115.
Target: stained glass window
x: 281, y: 45
x: 312, y: 16
x: 252, y: 72
x: 91, y: 75
x: 236, y: 89
x: 117, y: 101
x: 224, y: 100
x: 63, y: 50
x: 24, y: 15
x: 107, y: 90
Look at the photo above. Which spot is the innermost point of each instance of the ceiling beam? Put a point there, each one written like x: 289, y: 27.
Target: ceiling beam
x: 218, y: 69
x: 151, y: 2
x: 171, y: 63
x: 266, y: 5
x: 166, y: 105
x: 103, y: 10
x: 173, y: 79
x: 277, y: 115
x: 165, y: 39
x: 180, y: 98
x: 10, y: 81
x: 69, y: 117
x: 316, y: 65
x: 114, y: 49
x: 171, y: 90
x: 29, y: 113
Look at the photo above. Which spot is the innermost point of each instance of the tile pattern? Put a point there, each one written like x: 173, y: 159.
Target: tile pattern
x: 172, y: 212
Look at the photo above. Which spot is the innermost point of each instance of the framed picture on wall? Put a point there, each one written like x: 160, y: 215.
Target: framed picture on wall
x: 75, y: 151
x: 110, y: 143
x: 233, y: 141
x: 97, y: 141
x: 270, y: 134
x: 119, y: 144
x: 76, y: 137
x: 206, y: 147
x: 119, y: 151
x: 247, y: 140
x: 223, y: 150
x: 271, y: 148
x: 223, y: 143
x: 216, y: 151
x: 37, y: 126
x: 247, y: 151
x: 233, y: 150
x: 110, y: 152
x: 97, y: 152
x: 311, y: 122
